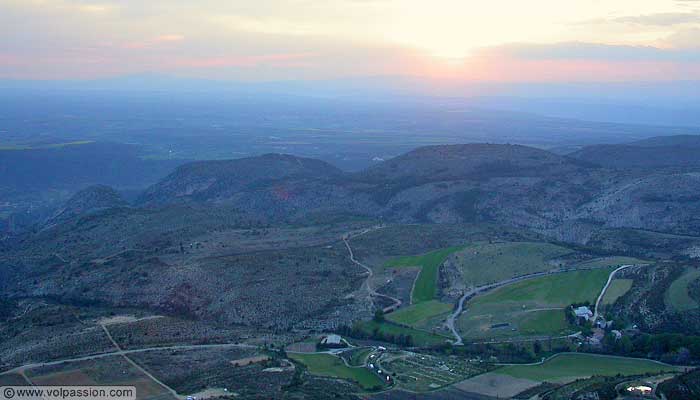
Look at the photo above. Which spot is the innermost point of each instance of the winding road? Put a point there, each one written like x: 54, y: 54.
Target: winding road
x: 370, y: 273
x: 605, y: 288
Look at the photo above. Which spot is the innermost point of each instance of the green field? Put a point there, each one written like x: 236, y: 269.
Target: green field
x: 425, y: 286
x: 678, y: 296
x: 617, y: 289
x: 417, y: 314
x: 531, y: 307
x: 543, y: 322
x: 483, y: 263
x: 556, y: 290
x: 570, y: 365
x: 420, y: 338
x: 328, y: 365
x: 357, y: 356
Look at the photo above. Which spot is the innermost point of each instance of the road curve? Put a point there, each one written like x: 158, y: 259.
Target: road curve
x: 480, y: 289
x: 605, y: 288
x: 372, y: 293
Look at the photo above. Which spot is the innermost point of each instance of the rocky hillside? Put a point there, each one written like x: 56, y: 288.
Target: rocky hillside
x: 478, y: 161
x: 192, y: 244
x: 89, y: 200
x: 219, y: 181
x: 663, y: 152
x: 563, y: 197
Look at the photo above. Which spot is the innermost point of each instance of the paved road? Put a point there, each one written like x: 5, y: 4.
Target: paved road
x: 605, y: 288
x: 370, y: 273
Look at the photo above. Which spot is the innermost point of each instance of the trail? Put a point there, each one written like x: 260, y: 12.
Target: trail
x: 18, y: 370
x: 366, y: 284
x: 605, y: 288
x: 138, y: 367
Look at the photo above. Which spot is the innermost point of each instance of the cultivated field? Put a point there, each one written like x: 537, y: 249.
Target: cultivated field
x: 617, y: 289
x: 420, y: 338
x: 425, y: 286
x: 114, y: 371
x: 569, y: 366
x: 484, y: 263
x: 420, y: 315
x: 496, y: 385
x: 422, y: 372
x: 194, y: 371
x: 678, y: 295
x: 534, y: 307
x: 328, y: 365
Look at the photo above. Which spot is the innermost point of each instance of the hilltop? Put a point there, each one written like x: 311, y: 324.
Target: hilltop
x: 218, y: 181
x: 476, y: 161
x: 658, y: 152
x: 90, y: 200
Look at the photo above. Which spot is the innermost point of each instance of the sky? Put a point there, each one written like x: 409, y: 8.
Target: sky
x: 267, y: 40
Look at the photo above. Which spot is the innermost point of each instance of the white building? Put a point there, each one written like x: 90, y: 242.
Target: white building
x: 331, y: 340
x: 583, y: 312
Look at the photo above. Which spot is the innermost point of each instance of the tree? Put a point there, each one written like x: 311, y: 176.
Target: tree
x: 379, y: 315
x: 537, y: 347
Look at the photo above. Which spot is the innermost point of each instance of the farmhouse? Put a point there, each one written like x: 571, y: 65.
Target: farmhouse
x: 583, y: 312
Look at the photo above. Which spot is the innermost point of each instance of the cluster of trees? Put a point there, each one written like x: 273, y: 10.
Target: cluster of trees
x: 358, y: 332
x: 668, y: 347
x: 502, y: 352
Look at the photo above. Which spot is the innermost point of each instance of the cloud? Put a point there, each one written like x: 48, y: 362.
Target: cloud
x: 594, y: 52
x: 686, y: 38
x: 160, y: 40
x: 662, y: 19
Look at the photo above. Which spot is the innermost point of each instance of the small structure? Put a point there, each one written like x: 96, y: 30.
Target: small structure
x: 583, y: 312
x: 640, y: 390
x: 617, y: 334
x: 332, y: 341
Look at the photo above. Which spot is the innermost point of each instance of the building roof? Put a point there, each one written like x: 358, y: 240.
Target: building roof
x: 583, y: 311
x: 331, y: 339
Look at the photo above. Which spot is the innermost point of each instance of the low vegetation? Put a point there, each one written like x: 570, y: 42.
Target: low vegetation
x: 328, y: 365
x: 483, y: 263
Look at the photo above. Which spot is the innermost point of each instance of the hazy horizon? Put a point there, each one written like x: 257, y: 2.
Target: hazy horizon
x: 458, y: 41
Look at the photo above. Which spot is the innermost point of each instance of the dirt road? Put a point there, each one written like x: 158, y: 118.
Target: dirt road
x: 367, y: 283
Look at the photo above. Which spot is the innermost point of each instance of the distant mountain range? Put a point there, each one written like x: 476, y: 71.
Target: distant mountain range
x: 651, y: 185
x: 175, y: 248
